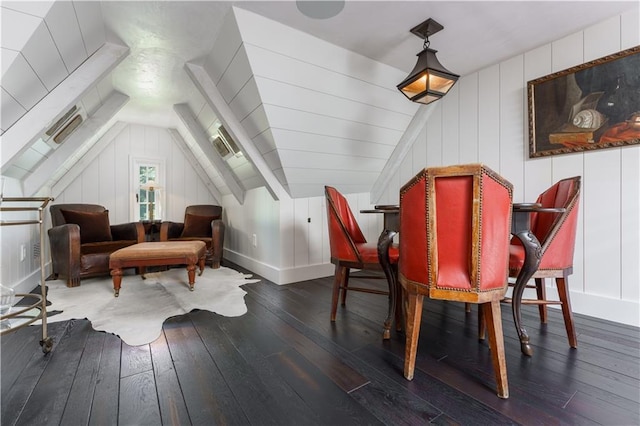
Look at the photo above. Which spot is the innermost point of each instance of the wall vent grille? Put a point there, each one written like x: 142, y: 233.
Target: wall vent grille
x: 61, y: 129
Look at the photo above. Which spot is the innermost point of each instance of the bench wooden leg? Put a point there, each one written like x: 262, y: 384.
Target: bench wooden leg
x: 191, y: 270
x: 201, y: 265
x: 117, y: 280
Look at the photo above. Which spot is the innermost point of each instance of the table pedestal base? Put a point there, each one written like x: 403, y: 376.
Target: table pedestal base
x: 390, y: 271
x: 532, y: 256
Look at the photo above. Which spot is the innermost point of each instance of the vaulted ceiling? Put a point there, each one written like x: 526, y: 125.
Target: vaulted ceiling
x: 307, y: 91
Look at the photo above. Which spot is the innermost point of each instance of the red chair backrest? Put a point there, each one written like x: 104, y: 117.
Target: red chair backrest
x: 454, y: 232
x: 557, y: 231
x: 344, y: 232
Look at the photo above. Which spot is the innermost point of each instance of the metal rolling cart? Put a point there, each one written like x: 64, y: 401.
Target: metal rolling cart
x: 28, y: 314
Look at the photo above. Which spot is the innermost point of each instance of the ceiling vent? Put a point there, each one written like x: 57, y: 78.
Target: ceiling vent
x: 225, y: 145
x: 62, y: 128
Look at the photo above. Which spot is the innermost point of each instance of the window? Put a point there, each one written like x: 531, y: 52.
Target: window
x: 147, y: 185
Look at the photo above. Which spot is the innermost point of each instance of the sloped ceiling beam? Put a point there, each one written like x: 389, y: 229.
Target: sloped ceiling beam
x: 200, y: 136
x: 400, y: 151
x: 30, y: 127
x: 92, y: 126
x: 199, y: 169
x: 214, y: 98
x: 84, y: 162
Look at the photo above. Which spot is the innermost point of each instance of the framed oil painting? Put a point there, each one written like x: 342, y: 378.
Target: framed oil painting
x: 591, y: 106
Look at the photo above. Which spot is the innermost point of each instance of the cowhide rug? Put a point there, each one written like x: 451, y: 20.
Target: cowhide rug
x: 136, y: 316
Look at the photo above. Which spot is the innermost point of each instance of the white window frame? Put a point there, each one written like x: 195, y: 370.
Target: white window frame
x: 160, y: 194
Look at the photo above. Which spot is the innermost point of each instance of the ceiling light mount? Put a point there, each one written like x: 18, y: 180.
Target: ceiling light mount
x: 426, y: 29
x: 429, y: 80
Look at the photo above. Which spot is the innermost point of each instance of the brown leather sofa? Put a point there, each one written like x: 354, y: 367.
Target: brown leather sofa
x: 81, y: 240
x: 201, y: 223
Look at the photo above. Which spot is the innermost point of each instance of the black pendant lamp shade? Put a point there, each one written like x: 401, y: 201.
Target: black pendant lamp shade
x: 429, y: 80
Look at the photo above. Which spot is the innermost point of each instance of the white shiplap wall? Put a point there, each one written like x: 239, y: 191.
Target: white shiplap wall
x: 21, y: 275
x: 319, y: 114
x: 106, y: 180
x: 48, y: 41
x: 484, y: 119
x: 290, y: 248
x: 292, y: 236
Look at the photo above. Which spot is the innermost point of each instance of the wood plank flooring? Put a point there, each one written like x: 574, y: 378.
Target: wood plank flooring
x: 285, y: 363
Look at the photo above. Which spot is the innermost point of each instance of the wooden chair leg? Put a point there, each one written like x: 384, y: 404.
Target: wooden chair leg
x: 400, y: 315
x: 482, y: 329
x: 542, y: 295
x: 345, y: 285
x: 496, y: 342
x: 563, y: 293
x: 467, y: 307
x: 338, y: 278
x: 414, y: 316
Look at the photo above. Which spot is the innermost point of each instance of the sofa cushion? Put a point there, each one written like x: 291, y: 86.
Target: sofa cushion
x: 105, y: 246
x: 94, y: 226
x: 197, y: 226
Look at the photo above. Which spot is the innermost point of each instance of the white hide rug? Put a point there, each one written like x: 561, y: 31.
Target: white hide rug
x: 137, y: 314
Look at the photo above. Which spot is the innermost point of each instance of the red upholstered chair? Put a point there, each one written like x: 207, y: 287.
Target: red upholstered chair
x: 82, y: 239
x: 454, y: 245
x: 557, y: 235
x: 349, y: 248
x: 202, y: 222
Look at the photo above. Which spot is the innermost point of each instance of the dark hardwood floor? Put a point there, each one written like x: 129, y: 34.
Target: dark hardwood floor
x: 285, y: 363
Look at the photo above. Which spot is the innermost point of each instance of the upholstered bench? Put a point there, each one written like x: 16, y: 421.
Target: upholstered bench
x: 157, y: 254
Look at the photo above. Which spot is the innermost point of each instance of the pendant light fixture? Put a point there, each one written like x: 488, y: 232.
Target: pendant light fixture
x: 429, y: 80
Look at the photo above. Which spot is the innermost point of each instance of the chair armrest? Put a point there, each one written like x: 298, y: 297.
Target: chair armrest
x: 169, y: 230
x: 64, y: 238
x: 217, y: 239
x: 217, y: 229
x: 535, y: 208
x: 65, y: 249
x: 128, y: 231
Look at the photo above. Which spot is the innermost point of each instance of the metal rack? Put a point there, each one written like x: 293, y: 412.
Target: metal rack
x: 27, y: 314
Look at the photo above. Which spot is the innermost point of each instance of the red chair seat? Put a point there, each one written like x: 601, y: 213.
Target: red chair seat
x: 350, y: 249
x: 369, y: 252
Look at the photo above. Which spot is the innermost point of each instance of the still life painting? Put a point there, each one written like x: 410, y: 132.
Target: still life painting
x: 591, y: 106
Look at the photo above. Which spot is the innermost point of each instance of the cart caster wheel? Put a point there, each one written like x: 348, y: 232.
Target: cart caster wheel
x: 47, y: 345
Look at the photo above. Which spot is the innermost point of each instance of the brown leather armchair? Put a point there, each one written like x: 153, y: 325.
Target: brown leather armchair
x: 81, y: 240
x: 201, y: 223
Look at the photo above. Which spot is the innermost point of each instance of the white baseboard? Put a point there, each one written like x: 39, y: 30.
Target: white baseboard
x: 310, y: 272
x: 277, y: 275
x: 28, y: 283
x: 606, y: 308
x: 616, y: 310
x: 267, y: 271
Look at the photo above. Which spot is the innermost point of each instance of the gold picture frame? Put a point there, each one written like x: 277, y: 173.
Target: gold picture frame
x: 591, y: 106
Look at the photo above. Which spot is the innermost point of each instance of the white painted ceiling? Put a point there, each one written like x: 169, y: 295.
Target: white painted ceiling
x: 476, y: 34
x: 164, y: 35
